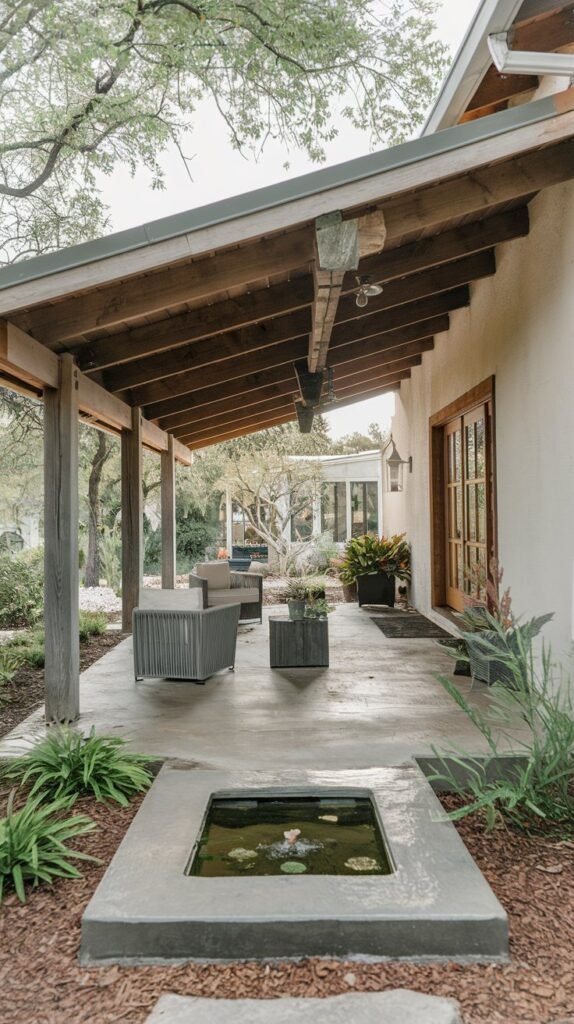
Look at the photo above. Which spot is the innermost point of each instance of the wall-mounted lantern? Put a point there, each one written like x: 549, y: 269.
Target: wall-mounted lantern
x: 395, y: 469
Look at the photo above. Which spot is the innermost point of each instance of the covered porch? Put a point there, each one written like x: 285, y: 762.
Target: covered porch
x: 258, y: 311
x: 378, y: 702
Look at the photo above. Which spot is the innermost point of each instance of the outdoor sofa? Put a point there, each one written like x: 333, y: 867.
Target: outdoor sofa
x: 175, y: 638
x: 220, y: 586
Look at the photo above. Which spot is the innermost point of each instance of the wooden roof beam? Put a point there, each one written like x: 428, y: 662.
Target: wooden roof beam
x: 234, y: 344
x: 138, y: 296
x: 25, y: 359
x: 441, y: 279
x: 488, y: 186
x: 394, y: 307
x: 287, y: 414
x: 347, y: 376
x: 258, y: 388
x: 292, y: 351
x: 221, y: 317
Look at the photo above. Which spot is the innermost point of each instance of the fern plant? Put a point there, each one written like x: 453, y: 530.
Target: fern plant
x: 33, y: 844
x: 67, y: 764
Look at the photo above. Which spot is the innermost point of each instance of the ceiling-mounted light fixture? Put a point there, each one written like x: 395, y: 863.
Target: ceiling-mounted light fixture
x: 366, y: 289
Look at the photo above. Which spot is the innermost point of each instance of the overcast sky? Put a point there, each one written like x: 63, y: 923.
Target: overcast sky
x: 219, y: 171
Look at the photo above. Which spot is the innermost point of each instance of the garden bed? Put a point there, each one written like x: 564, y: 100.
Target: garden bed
x: 25, y: 693
x: 42, y: 981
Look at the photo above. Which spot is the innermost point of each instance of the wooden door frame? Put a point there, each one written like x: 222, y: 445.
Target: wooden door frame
x: 482, y: 394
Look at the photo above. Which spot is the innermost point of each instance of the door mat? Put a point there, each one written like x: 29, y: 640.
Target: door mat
x: 409, y: 626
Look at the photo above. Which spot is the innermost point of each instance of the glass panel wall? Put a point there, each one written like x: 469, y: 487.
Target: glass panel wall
x: 334, y: 511
x: 364, y: 508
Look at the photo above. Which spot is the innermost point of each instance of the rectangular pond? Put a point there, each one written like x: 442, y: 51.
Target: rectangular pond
x: 175, y: 892
x: 290, y: 836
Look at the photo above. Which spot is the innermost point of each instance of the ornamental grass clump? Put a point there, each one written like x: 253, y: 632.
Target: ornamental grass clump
x: 67, y: 764
x: 33, y: 844
x: 535, y: 793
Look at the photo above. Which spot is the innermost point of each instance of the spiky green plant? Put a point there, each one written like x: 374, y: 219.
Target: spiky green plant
x: 33, y: 843
x: 69, y: 764
x: 10, y: 662
x: 537, y: 792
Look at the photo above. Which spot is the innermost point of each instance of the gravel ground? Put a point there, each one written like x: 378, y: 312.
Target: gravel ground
x: 99, y: 599
x: 42, y: 982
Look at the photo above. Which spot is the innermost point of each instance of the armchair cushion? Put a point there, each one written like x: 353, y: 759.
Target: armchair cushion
x: 217, y: 574
x: 169, y: 600
x: 233, y: 595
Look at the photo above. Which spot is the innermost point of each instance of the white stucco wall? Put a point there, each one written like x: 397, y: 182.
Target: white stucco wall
x: 519, y: 327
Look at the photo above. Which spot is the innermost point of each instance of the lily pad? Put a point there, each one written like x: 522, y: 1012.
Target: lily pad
x: 362, y: 864
x: 293, y: 867
x: 239, y: 853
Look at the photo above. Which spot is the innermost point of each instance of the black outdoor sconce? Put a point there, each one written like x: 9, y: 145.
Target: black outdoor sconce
x: 395, y: 468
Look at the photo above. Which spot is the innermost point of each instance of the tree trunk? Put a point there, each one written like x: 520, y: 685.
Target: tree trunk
x: 93, y: 562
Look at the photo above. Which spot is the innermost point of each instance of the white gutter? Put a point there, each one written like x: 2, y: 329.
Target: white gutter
x: 523, y: 62
x: 471, y: 63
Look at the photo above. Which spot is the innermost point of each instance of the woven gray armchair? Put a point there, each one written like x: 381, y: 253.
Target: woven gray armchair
x: 220, y: 586
x: 174, y: 639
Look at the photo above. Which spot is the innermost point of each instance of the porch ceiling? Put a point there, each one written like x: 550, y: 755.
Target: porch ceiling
x: 202, y: 327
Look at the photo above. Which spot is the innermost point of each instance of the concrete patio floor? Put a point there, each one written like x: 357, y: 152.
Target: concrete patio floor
x: 378, y: 703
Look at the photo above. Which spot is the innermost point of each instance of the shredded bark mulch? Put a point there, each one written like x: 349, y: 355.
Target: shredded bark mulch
x: 26, y: 691
x: 42, y: 982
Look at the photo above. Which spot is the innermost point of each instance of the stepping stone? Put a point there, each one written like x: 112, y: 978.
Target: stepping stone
x: 392, y: 1007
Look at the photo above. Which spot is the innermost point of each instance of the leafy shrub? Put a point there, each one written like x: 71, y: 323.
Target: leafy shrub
x: 369, y: 553
x: 92, y: 624
x: 33, y: 844
x: 21, y: 588
x: 538, y: 793
x: 10, y: 662
x: 66, y: 764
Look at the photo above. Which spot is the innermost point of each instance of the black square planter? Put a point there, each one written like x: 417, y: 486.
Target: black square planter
x: 376, y: 588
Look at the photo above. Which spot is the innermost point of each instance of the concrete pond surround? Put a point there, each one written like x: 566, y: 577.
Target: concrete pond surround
x: 435, y: 904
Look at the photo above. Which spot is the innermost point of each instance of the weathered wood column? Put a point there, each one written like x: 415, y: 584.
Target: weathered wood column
x: 168, y: 517
x: 132, y: 518
x: 61, y: 566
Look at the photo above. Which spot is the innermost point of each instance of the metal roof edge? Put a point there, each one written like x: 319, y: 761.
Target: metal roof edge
x: 470, y: 63
x: 279, y: 194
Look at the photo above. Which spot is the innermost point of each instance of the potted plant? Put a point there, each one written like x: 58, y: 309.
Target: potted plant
x: 494, y: 645
x: 296, y: 597
x: 374, y: 564
x: 317, y: 608
x: 300, y: 591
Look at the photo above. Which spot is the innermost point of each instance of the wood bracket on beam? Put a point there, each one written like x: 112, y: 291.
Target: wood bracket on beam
x: 305, y: 415
x: 339, y: 245
x: 310, y: 384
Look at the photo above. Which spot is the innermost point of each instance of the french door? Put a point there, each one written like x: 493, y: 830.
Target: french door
x: 467, y: 505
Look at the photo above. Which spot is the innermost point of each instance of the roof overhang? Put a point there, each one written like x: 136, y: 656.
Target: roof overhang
x: 201, y: 320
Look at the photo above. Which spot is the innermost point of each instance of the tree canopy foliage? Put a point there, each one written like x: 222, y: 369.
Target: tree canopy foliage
x: 88, y: 85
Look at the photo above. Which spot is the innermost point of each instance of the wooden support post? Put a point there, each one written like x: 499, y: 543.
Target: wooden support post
x: 168, y: 517
x: 132, y: 518
x: 61, y: 582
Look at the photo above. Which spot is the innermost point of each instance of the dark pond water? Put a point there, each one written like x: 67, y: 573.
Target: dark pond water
x: 294, y: 835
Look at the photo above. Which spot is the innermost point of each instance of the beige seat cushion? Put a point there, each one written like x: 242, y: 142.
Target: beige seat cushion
x: 170, y: 600
x: 233, y: 595
x: 217, y: 574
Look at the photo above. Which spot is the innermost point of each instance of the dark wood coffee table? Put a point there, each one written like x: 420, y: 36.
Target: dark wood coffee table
x: 298, y: 643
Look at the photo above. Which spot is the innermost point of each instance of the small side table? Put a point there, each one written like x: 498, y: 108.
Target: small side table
x: 298, y: 643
